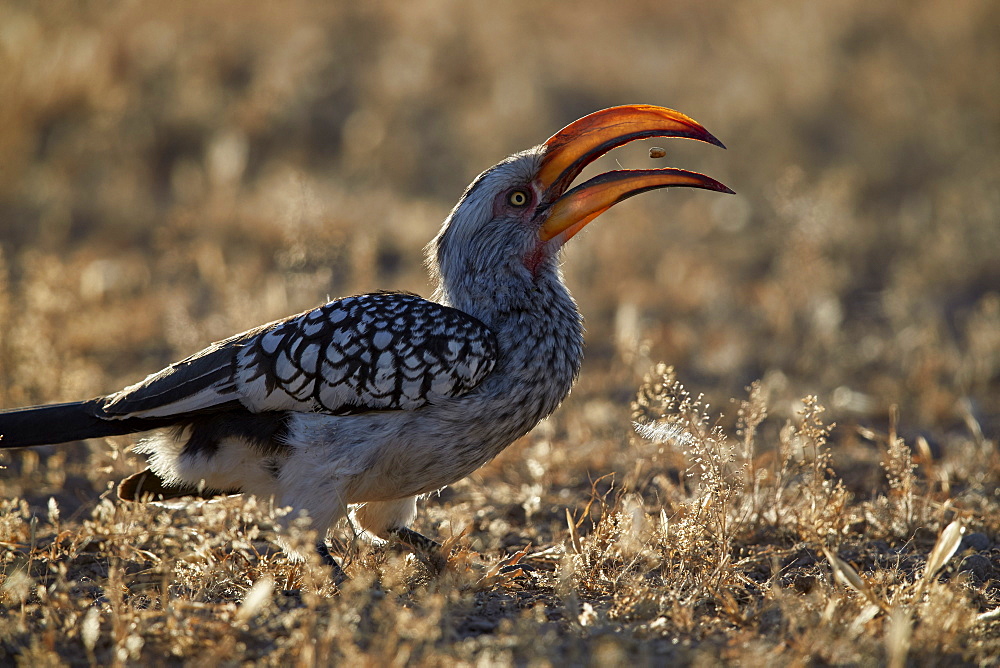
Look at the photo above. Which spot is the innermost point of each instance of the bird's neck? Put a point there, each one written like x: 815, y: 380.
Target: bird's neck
x: 534, y: 318
x: 510, y: 303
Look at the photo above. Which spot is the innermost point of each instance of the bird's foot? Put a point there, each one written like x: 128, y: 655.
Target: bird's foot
x: 510, y: 569
x: 427, y: 549
x: 337, y: 574
x: 516, y: 570
x: 414, y: 540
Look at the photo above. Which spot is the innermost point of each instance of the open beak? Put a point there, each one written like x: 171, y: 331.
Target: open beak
x: 578, y: 144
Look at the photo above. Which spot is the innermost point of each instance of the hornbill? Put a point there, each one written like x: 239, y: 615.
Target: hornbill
x: 361, y: 405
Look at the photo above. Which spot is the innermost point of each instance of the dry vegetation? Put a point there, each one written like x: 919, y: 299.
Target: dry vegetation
x: 172, y: 173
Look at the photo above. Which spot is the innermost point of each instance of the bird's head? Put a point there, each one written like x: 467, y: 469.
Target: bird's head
x: 506, y: 230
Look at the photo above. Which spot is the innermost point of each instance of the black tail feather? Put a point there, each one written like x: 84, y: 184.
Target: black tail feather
x: 63, y: 423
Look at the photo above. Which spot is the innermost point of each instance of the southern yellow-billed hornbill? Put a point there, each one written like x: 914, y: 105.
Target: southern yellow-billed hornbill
x: 367, y: 402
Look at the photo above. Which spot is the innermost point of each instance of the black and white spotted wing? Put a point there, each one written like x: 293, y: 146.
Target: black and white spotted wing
x: 386, y: 350
x: 369, y: 352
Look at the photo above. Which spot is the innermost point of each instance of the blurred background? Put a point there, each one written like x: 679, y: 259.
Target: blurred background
x: 173, y: 173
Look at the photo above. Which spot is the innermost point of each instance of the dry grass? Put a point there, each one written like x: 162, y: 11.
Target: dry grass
x: 172, y: 174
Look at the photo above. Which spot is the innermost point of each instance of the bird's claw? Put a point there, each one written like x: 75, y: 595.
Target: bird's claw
x: 414, y: 540
x: 337, y: 575
x: 516, y: 569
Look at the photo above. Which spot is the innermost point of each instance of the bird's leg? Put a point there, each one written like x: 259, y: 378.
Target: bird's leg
x: 389, y: 520
x: 336, y: 572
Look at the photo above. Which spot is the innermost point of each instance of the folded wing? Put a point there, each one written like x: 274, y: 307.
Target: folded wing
x: 382, y: 351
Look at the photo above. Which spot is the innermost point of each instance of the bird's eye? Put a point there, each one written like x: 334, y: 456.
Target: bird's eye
x: 518, y: 198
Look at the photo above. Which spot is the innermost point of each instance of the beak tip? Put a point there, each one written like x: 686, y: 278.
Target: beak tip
x: 712, y: 139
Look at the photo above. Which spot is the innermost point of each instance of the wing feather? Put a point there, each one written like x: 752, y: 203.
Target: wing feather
x: 382, y: 351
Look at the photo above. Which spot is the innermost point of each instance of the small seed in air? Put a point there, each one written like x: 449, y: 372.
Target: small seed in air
x: 657, y: 152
